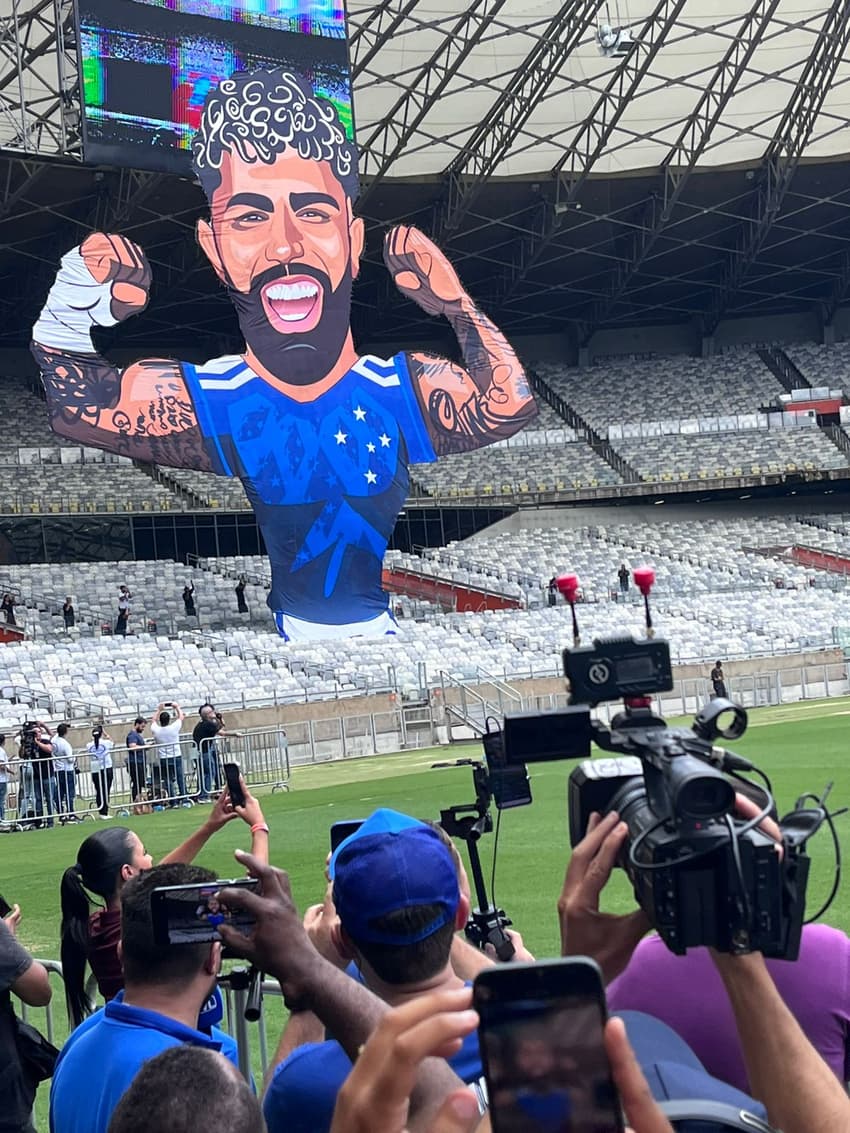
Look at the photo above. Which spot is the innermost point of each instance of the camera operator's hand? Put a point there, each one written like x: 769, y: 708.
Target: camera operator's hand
x: 585, y: 931
x: 13, y: 919
x: 642, y: 1113
x: 375, y: 1097
x: 746, y: 808
x: 278, y: 944
x: 320, y: 923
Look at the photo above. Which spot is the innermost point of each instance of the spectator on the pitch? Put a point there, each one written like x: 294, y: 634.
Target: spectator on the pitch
x: 69, y: 614
x: 100, y: 753
x: 686, y: 992
x: 165, y: 987
x: 43, y: 774
x: 171, y: 1090
x: 64, y: 768
x: 166, y: 731
x: 6, y: 775
x: 204, y: 735
x: 136, y: 764
x: 106, y: 861
x: 396, y: 893
x: 25, y: 978
x: 718, y: 681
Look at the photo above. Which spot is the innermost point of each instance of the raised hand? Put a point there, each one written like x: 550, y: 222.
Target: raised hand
x: 585, y: 931
x: 117, y: 260
x: 421, y: 271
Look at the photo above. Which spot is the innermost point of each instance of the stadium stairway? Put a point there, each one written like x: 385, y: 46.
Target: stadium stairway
x: 181, y: 491
x: 584, y: 431
x: 469, y: 708
x: 789, y: 376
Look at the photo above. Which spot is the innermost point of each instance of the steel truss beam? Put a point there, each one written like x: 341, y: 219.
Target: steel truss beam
x: 685, y: 155
x: 116, y: 198
x: 575, y: 165
x: 40, y: 109
x: 783, y: 155
x: 497, y: 132
x: 423, y: 89
x: 379, y: 26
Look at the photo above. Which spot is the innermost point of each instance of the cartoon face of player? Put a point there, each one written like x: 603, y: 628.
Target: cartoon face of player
x: 282, y: 235
x: 284, y: 240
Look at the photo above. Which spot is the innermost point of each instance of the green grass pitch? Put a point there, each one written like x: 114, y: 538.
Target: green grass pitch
x: 801, y: 747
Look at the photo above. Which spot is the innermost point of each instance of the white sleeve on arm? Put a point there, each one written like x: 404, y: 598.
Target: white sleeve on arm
x: 76, y: 302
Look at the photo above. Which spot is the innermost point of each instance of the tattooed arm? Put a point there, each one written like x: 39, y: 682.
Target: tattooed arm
x: 465, y: 408
x: 145, y: 411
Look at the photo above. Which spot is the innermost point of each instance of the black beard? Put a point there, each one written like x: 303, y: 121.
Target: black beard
x: 300, y: 359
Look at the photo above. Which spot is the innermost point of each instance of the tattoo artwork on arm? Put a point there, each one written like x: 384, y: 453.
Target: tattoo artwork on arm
x: 486, y: 399
x: 88, y: 403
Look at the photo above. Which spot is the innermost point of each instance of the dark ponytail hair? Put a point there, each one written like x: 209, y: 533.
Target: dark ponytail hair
x: 98, y: 870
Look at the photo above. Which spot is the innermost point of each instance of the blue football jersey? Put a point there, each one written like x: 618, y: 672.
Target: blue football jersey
x: 326, y: 478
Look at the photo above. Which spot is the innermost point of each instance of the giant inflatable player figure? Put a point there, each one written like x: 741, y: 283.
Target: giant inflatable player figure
x: 319, y: 435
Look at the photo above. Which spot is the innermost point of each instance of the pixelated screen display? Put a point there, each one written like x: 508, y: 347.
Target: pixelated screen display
x: 547, y: 1071
x: 147, y: 66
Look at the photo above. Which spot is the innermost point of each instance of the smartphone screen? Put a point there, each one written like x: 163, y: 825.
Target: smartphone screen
x: 5, y: 908
x: 342, y: 830
x: 542, y: 1050
x: 234, y: 787
x: 191, y: 914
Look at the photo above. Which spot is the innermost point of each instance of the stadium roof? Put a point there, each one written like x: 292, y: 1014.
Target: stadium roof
x: 700, y: 174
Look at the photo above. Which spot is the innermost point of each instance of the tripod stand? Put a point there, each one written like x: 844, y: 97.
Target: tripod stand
x: 469, y: 821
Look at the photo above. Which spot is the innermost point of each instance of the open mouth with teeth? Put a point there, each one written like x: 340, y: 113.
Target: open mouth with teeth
x: 293, y: 304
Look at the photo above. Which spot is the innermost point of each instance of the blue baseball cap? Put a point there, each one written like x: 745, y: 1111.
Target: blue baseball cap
x: 392, y: 862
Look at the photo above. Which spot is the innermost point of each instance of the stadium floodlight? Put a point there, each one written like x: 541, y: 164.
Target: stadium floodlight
x: 616, y: 42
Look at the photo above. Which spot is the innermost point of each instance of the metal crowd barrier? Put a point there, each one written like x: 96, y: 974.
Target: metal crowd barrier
x: 35, y: 795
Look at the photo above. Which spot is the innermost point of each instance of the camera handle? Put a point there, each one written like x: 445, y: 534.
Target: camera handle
x: 486, y: 924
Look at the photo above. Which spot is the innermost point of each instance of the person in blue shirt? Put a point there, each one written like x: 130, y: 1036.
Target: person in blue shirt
x: 165, y: 989
x: 320, y: 435
x: 399, y: 904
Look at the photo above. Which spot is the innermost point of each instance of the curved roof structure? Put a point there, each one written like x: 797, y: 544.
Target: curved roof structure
x: 694, y: 169
x: 471, y: 54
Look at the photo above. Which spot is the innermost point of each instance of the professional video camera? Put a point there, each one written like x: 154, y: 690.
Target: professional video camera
x: 703, y: 874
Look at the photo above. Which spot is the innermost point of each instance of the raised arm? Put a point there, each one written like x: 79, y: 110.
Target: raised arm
x: 145, y: 411
x: 786, y: 1073
x: 486, y: 399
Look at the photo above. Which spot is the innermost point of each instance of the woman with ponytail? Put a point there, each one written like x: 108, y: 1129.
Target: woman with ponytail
x: 105, y: 861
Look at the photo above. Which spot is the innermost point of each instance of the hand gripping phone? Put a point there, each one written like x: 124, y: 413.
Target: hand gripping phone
x: 541, y: 1047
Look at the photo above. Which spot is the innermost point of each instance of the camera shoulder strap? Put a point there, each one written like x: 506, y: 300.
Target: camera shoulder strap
x: 714, y: 1113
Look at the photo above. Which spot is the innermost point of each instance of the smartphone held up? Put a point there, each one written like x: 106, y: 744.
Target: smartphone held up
x: 541, y: 1038
x: 232, y: 775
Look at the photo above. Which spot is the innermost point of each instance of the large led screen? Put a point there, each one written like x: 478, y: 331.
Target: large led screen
x: 147, y: 66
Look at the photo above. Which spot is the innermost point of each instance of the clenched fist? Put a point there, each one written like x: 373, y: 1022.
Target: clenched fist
x: 421, y: 271
x: 117, y: 260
